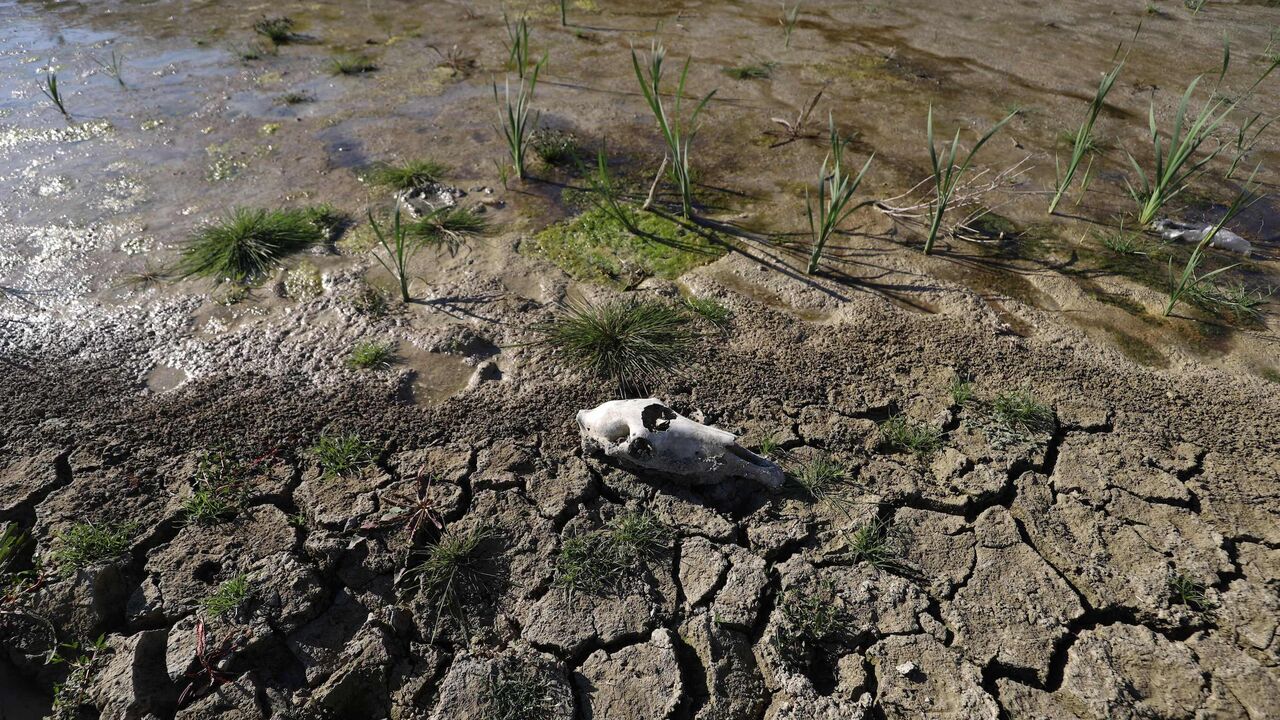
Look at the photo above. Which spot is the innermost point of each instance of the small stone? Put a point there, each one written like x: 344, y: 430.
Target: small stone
x: 906, y: 668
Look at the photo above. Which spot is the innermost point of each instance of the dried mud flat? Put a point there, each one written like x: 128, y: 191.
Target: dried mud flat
x: 1030, y: 577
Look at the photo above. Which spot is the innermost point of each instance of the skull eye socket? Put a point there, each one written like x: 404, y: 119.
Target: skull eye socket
x: 656, y: 418
x: 640, y: 448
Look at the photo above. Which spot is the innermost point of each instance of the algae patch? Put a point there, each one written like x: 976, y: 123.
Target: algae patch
x: 594, y: 246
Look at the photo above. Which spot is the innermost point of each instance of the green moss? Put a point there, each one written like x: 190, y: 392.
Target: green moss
x: 1270, y: 375
x: 595, y: 246
x: 1138, y: 350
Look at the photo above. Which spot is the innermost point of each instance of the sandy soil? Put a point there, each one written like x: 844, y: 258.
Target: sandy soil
x: 1031, y: 579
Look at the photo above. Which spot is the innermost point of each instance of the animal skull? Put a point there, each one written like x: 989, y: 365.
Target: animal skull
x: 646, y: 436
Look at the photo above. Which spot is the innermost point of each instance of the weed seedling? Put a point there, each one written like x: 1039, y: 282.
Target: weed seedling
x: 228, y: 598
x: 83, y: 664
x: 710, y: 310
x: 515, y: 122
x: 808, y: 619
x: 947, y: 174
x: 631, y: 342
x: 835, y: 196
x: 555, y: 147
x: 414, y: 513
x: 902, y: 435
x: 342, y: 454
x: 961, y: 391
x: 111, y: 66
x: 51, y: 91
x: 207, y: 674
x: 676, y: 131
x: 517, y: 45
x: 398, y: 250
x: 370, y: 355
x: 758, y: 71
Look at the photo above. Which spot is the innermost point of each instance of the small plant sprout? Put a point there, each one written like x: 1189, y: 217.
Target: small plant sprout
x: 1247, y: 136
x: 1190, y: 281
x: 83, y: 664
x: 822, y: 477
x: 515, y: 123
x: 676, y: 131
x: 902, y: 435
x: 518, y: 691
x: 947, y: 173
x: 248, y: 243
x: 603, y: 559
x: 757, y: 71
x: 398, y: 250
x: 84, y: 544
x: 228, y: 598
x: 1186, y: 590
x: 793, y: 130
x: 208, y: 506
x: 835, y: 196
x: 50, y: 90
x: 342, y: 454
x: 411, y: 175
x: 631, y: 342
x: 452, y: 573
x: 876, y: 544
x: 564, y: 13
x: 111, y: 66
x: 961, y: 390
x: 371, y: 355
x: 413, y: 513
x: 790, y: 14
x: 555, y: 147
x: 279, y: 30
x: 1082, y: 143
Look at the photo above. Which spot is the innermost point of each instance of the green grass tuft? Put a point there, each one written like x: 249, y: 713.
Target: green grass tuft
x: 822, y: 477
x: 961, y: 391
x: 518, y: 692
x: 1019, y: 413
x: 279, y: 30
x: 710, y: 310
x: 555, y: 147
x: 758, y: 71
x: 1186, y: 590
x: 876, y: 544
x: 342, y: 454
x: 228, y: 598
x: 372, y: 355
x: 249, y: 242
x: 452, y: 572
x: 808, y: 619
x: 351, y: 64
x: 603, y: 559
x: 84, y: 544
x: 449, y: 227
x: 410, y: 175
x: 631, y: 342
x: 902, y: 435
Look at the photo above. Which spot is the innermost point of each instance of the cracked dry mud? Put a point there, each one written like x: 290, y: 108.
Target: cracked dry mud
x: 1031, y: 579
